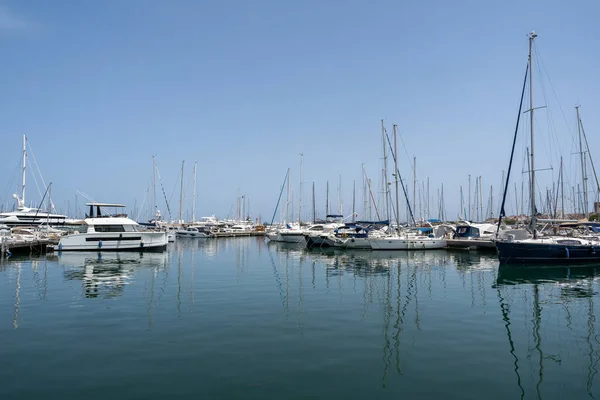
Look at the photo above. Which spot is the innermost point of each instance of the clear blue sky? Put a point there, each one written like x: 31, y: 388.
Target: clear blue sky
x: 243, y: 87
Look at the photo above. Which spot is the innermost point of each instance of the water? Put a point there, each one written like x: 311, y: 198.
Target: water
x: 238, y: 319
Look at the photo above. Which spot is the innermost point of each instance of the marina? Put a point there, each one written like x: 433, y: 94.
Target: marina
x: 299, y: 200
x: 237, y: 318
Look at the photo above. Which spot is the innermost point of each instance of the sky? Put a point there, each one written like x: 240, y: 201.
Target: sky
x: 244, y: 87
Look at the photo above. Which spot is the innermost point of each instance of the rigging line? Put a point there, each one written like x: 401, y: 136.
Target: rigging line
x: 542, y: 65
x: 40, y: 173
x: 589, y: 154
x: 10, y: 183
x: 35, y: 181
x: 280, y: 193
x: 372, y: 198
x: 512, y: 153
x: 401, y: 181
x: 163, y: 191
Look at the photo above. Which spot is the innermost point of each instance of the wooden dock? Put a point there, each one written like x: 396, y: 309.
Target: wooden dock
x: 9, y: 247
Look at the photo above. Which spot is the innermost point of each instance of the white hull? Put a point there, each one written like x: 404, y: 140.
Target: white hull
x: 192, y: 235
x: 171, y: 237
x: 408, y: 243
x: 292, y: 237
x: 274, y: 237
x: 19, y: 218
x: 357, y: 243
x: 99, y: 241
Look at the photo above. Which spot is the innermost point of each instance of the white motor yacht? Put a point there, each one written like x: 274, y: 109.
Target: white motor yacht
x: 105, y: 232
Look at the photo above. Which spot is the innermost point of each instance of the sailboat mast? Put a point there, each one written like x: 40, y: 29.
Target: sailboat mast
x: 396, y: 175
x: 461, y: 202
x: 327, y: 200
x: 194, y: 197
x: 385, y: 177
x: 154, y: 182
x: 414, y: 181
x: 314, y: 218
x: 365, y: 200
x: 353, y: 201
x: 532, y: 36
x: 469, y: 200
x: 300, y: 195
x: 181, y: 194
x: 22, y: 202
x: 287, y: 200
x: 340, y: 201
x: 562, y: 190
x: 583, y: 174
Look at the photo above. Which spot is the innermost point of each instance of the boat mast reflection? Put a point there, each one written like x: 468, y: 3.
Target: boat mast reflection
x: 574, y: 284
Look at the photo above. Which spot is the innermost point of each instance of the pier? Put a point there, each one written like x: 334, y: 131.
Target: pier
x: 11, y: 247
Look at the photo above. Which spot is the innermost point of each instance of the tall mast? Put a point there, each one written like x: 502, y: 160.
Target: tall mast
x: 385, y: 177
x: 461, y: 202
x: 428, y: 215
x: 327, y: 200
x: 414, y: 180
x: 314, y: 204
x: 194, y: 197
x: 583, y: 174
x: 469, y: 200
x: 353, y: 201
x: 397, y: 176
x: 154, y: 182
x: 181, y: 194
x: 300, y: 195
x: 532, y: 36
x: 340, y: 201
x: 21, y: 203
x: 480, y: 197
x: 562, y: 190
x: 287, y: 201
x: 365, y: 199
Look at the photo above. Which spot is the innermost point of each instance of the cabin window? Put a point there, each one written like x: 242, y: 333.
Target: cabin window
x: 109, y: 228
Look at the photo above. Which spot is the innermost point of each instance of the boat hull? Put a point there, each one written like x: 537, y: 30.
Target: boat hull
x: 193, y: 235
x: 317, y: 241
x: 547, y: 253
x: 292, y: 237
x: 125, y: 241
x: 357, y: 243
x: 407, y: 244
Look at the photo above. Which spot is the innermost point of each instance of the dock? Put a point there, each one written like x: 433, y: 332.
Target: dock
x: 11, y: 247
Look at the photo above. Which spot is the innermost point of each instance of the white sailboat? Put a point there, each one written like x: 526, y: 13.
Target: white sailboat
x: 406, y: 240
x: 27, y: 216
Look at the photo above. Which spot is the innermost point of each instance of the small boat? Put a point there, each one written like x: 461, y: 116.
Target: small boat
x: 112, y: 233
x: 193, y: 232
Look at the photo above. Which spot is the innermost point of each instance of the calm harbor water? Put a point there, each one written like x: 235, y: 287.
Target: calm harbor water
x: 240, y: 318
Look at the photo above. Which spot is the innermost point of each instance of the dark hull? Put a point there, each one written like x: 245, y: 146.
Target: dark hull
x: 316, y: 241
x: 546, y: 253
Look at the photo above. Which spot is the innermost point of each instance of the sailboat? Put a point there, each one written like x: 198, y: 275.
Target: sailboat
x: 406, y: 240
x: 26, y: 216
x: 541, y: 249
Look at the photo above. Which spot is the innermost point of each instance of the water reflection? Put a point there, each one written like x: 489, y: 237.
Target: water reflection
x: 105, y: 274
x: 574, y: 289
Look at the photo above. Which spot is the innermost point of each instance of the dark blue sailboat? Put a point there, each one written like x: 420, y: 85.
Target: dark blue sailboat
x: 541, y: 250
